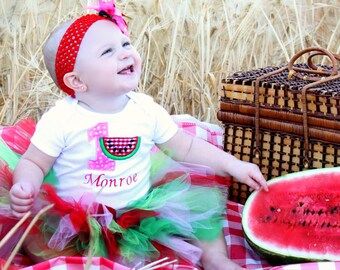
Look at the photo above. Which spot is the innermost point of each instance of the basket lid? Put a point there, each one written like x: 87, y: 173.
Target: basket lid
x: 293, y: 84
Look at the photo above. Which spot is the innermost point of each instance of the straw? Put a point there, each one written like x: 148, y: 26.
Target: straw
x: 23, y: 237
x: 158, y: 264
x: 186, y: 47
x: 14, y: 229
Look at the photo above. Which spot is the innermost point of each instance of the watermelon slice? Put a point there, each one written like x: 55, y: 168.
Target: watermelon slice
x: 120, y: 148
x: 298, y: 219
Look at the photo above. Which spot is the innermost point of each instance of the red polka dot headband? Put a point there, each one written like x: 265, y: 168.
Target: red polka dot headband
x: 70, y: 43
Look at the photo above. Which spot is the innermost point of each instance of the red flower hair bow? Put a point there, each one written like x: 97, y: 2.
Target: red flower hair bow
x: 70, y: 43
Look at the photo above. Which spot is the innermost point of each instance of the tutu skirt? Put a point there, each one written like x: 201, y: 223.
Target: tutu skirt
x: 185, y: 204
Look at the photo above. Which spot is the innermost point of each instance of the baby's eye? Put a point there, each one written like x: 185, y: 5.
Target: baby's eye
x: 107, y: 51
x: 126, y: 44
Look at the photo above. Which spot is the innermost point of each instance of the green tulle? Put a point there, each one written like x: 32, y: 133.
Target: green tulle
x: 12, y: 159
x: 133, y: 242
x: 7, y: 155
x: 212, y: 197
x: 97, y: 243
x: 159, y: 163
x: 50, y: 178
x: 159, y: 195
x: 136, y: 241
x: 115, y: 228
x: 4, y: 198
x: 156, y: 228
x: 206, y: 229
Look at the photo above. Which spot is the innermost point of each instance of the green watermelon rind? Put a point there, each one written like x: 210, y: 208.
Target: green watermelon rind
x: 278, y: 258
x: 271, y: 252
x: 108, y: 154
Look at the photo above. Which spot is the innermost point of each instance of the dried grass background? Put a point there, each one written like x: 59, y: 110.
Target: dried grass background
x: 187, y: 46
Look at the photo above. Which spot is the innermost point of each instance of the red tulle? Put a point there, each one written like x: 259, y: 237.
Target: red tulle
x: 133, y: 217
x: 111, y: 243
x: 197, y: 179
x: 5, y: 177
x: 77, y: 212
x: 210, y: 179
x: 18, y: 137
x: 167, y: 252
x: 48, y: 193
x: 11, y: 267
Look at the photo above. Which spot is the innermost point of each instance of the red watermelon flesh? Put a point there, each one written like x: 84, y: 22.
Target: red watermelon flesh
x: 120, y: 148
x: 298, y: 218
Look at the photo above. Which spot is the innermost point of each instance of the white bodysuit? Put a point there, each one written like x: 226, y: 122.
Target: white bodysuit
x: 106, y: 154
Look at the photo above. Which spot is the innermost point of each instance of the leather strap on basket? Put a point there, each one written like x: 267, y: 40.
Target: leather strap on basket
x: 324, y: 76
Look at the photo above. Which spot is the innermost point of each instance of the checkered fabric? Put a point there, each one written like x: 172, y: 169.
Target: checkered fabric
x: 77, y: 263
x: 238, y: 249
x: 209, y: 132
x: 310, y: 266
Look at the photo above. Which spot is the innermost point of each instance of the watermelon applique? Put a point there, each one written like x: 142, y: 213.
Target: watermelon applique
x: 119, y: 148
x: 298, y: 219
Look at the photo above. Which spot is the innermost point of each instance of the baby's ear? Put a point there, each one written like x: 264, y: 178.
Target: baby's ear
x: 72, y: 80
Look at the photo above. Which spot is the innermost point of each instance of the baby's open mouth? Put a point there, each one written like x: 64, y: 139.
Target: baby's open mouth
x: 127, y: 70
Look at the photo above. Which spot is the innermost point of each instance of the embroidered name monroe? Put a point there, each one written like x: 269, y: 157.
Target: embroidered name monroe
x: 101, y: 180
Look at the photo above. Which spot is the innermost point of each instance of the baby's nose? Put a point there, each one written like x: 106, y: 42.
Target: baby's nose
x: 124, y: 53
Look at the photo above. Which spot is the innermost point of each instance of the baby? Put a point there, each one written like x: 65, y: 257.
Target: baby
x: 98, y: 139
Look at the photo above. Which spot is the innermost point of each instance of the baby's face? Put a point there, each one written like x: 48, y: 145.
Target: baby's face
x: 107, y: 62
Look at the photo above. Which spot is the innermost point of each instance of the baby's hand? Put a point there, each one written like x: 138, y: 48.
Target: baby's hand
x: 21, y: 198
x: 249, y: 174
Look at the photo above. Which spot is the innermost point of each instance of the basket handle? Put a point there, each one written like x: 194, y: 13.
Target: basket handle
x: 294, y: 71
x: 312, y: 66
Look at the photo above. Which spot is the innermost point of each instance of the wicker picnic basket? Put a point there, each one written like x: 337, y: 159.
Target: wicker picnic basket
x: 284, y: 119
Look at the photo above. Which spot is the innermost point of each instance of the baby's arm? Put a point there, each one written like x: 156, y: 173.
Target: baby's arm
x: 185, y: 147
x: 27, y: 179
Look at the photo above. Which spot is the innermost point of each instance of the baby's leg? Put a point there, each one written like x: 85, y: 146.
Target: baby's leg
x: 215, y: 256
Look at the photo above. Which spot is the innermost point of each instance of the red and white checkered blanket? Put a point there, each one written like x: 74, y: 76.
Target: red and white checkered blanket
x: 77, y: 263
